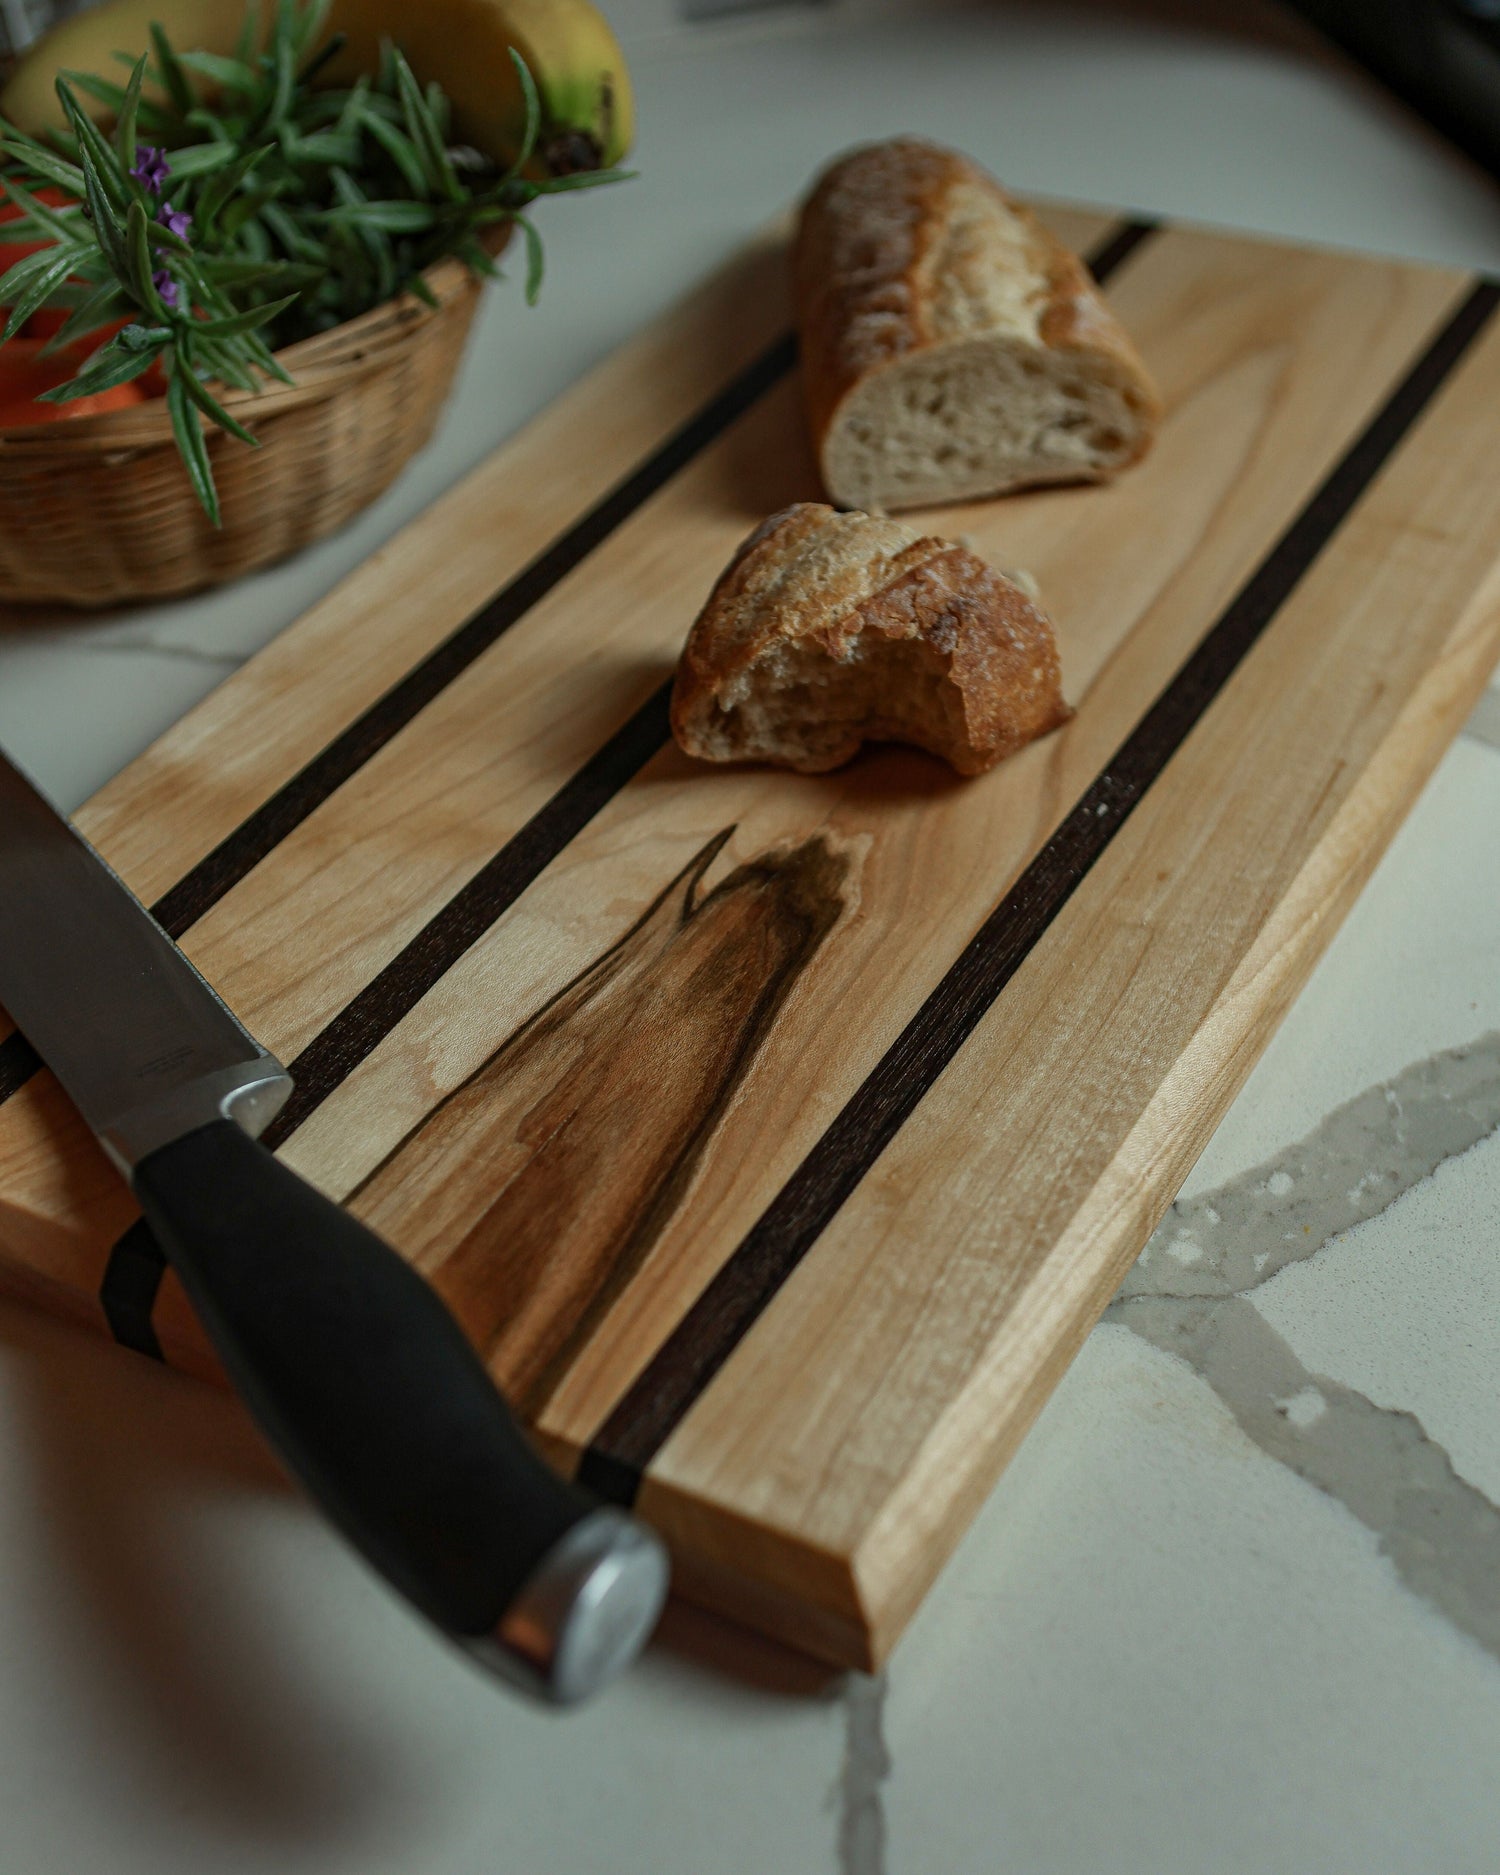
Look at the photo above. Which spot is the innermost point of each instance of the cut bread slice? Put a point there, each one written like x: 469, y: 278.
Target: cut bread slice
x: 830, y: 630
x: 951, y: 347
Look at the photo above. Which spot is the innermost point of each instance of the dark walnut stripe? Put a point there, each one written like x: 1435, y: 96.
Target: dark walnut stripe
x: 1115, y: 249
x: 241, y: 851
x: 353, y: 1035
x: 362, y: 1025
x: 735, y: 1299
x: 133, y: 1274
x: 18, y: 1062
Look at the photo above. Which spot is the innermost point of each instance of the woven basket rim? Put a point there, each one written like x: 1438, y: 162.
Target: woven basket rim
x: 117, y: 524
x: 323, y: 365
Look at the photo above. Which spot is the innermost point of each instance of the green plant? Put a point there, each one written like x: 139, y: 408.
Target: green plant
x: 260, y: 210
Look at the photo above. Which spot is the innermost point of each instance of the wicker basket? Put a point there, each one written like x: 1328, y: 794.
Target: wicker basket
x: 98, y: 510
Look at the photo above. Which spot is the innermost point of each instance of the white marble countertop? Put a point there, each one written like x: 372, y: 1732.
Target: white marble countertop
x: 1235, y: 1606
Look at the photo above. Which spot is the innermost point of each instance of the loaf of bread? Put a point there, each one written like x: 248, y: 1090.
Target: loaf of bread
x: 951, y: 348
x: 828, y: 630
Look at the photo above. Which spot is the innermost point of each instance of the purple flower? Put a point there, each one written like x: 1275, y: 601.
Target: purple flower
x: 166, y: 287
x: 175, y: 220
x: 151, y: 167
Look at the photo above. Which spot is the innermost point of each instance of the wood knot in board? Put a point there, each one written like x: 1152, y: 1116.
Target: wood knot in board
x: 532, y: 1195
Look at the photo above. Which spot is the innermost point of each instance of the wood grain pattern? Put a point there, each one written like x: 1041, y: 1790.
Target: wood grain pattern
x: 585, y: 1127
x: 882, y: 1076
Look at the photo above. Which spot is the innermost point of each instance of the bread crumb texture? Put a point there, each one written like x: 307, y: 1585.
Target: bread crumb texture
x: 830, y: 630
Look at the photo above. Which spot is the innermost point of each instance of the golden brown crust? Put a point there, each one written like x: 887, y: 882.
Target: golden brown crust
x: 859, y: 242
x: 971, y: 673
x: 867, y: 292
x: 1078, y: 318
x: 748, y: 611
x: 1002, y: 653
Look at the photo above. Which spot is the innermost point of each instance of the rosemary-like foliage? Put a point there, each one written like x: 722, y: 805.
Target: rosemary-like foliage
x: 223, y: 232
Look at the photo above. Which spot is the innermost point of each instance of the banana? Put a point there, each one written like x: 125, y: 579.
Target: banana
x: 587, y: 113
x: 587, y: 109
x: 88, y: 41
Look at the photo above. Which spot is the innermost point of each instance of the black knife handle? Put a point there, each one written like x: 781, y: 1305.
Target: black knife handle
x: 367, y: 1387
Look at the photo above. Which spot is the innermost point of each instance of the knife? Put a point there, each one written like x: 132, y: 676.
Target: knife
x: 353, y: 1366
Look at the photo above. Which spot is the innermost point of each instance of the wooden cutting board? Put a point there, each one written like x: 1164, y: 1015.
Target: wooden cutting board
x: 779, y: 1138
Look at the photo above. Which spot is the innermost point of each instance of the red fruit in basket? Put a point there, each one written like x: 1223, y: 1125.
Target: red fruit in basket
x: 12, y: 251
x: 13, y: 415
x: 41, y: 325
x: 49, y: 319
x: 24, y: 375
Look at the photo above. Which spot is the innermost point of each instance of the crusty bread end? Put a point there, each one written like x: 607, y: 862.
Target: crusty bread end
x: 829, y: 630
x: 951, y: 347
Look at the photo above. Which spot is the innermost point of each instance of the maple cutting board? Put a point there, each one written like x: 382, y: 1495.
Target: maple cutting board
x: 778, y: 1138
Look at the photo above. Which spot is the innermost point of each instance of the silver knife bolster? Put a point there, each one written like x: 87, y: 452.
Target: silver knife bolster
x: 143, y: 1046
x: 251, y: 1093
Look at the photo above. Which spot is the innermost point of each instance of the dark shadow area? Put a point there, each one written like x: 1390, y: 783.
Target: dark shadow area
x: 881, y: 772
x: 765, y: 462
x: 48, y: 618
x: 708, y: 1645
x: 188, y: 1678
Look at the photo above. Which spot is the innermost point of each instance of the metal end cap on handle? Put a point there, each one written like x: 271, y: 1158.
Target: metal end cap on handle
x: 585, y: 1612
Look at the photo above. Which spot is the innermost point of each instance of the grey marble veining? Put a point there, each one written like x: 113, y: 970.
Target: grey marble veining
x: 143, y: 641
x: 1441, y: 1532
x: 1354, y: 1164
x: 1189, y: 1294
x: 1484, y: 724
x: 867, y: 1764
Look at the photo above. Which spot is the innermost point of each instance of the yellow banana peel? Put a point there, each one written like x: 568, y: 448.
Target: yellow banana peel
x: 587, y: 112
x: 574, y: 57
x: 88, y: 41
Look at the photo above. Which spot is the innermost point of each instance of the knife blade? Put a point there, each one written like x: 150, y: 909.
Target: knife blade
x: 350, y: 1361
